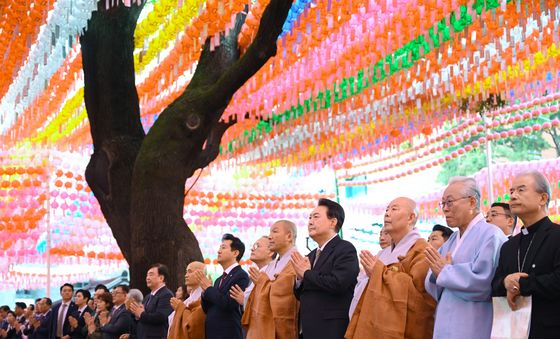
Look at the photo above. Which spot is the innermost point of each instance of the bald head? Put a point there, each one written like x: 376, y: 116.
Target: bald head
x: 282, y: 236
x: 409, y: 205
x: 190, y: 281
x: 196, y: 266
x: 289, y: 227
x: 400, y: 217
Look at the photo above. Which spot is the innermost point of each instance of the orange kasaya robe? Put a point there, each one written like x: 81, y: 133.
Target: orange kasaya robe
x: 272, y: 308
x: 188, y: 322
x: 395, y: 303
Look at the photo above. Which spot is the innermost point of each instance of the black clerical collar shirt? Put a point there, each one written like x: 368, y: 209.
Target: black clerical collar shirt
x: 527, y: 235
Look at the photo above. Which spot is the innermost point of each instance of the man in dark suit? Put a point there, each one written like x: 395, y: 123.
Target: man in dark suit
x: 530, y: 261
x: 60, y: 327
x: 327, y: 276
x: 153, y: 314
x: 78, y: 328
x: 223, y: 313
x: 41, y: 324
x: 20, y: 312
x: 121, y: 319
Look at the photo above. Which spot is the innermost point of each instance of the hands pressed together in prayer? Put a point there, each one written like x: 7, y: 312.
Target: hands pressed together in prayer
x: 175, y: 302
x: 136, y: 309
x: 368, y: 261
x: 300, y: 264
x: 511, y: 283
x: 88, y: 318
x: 436, y: 261
x: 17, y: 326
x: 73, y: 322
x: 90, y: 322
x: 236, y: 293
x: 203, y: 281
x: 34, y: 322
x: 254, y: 274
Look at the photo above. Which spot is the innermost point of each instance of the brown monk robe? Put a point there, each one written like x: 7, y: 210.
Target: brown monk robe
x: 395, y: 303
x: 271, y: 310
x: 188, y: 322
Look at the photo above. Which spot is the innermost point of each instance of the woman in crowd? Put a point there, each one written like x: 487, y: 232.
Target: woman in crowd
x: 104, y: 306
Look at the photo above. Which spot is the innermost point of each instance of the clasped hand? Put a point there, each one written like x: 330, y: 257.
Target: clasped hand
x: 513, y: 290
x: 300, y: 264
x: 203, y: 281
x: 368, y: 261
x: 436, y: 261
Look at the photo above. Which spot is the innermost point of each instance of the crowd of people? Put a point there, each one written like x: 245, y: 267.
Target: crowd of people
x: 412, y: 288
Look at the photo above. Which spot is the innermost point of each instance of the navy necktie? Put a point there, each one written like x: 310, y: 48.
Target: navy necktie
x: 148, y: 299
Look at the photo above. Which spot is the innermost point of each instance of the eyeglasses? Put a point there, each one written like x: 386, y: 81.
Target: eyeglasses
x: 495, y: 214
x: 449, y: 202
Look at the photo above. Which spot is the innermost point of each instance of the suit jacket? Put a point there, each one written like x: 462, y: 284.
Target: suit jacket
x: 66, y: 330
x: 326, y: 291
x: 81, y: 331
x: 543, y: 284
x: 119, y: 324
x: 223, y: 313
x: 157, y: 308
x: 43, y: 331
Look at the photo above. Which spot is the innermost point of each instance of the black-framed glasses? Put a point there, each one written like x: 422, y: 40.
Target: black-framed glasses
x: 449, y: 202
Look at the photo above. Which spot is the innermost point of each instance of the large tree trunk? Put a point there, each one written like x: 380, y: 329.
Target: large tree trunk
x: 140, y: 181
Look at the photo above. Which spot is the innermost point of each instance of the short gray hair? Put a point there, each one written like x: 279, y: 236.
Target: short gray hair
x: 542, y: 185
x: 470, y: 189
x: 136, y: 295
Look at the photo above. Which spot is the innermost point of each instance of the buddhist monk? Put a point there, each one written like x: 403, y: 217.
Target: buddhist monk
x: 187, y: 320
x: 394, y: 302
x: 271, y: 310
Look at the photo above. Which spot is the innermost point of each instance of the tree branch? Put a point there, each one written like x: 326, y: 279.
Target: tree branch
x: 108, y: 64
x: 258, y: 53
x: 212, y: 147
x: 555, y: 139
x: 213, y: 63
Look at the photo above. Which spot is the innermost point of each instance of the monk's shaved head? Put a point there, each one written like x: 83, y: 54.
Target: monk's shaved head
x: 282, y: 236
x: 197, y: 266
x: 400, y: 217
x: 409, y: 204
x: 289, y: 227
x: 190, y: 279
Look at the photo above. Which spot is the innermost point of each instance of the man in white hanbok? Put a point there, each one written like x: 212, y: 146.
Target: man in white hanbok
x: 461, y: 272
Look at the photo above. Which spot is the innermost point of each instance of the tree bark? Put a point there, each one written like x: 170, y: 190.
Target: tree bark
x: 139, y: 180
x: 113, y: 112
